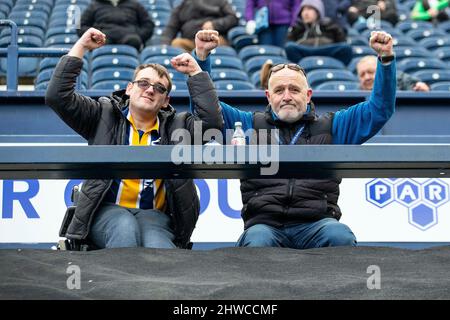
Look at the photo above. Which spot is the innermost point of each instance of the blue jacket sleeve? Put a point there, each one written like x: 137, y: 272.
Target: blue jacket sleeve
x: 362, y: 121
x: 230, y: 114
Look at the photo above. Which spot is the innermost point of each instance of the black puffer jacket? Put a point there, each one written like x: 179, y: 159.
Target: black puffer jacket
x: 279, y: 202
x: 190, y: 15
x: 102, y: 123
x: 128, y: 17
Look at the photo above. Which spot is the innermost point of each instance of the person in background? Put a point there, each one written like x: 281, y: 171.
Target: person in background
x: 194, y: 15
x: 316, y: 35
x: 430, y: 10
x: 123, y: 21
x: 366, y: 69
x: 282, y: 15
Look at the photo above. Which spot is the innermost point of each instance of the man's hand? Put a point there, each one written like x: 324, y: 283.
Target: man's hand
x: 90, y: 40
x: 205, y: 41
x: 381, y: 42
x: 421, y: 86
x: 185, y: 63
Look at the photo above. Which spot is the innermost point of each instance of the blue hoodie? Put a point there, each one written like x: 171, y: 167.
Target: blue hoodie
x: 354, y: 125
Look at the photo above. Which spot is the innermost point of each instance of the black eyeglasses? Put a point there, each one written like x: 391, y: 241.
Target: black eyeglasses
x: 144, y: 85
x: 291, y: 66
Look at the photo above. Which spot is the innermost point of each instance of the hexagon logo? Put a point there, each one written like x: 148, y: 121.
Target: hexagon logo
x: 423, y: 216
x: 407, y: 192
x: 379, y: 192
x: 435, y: 192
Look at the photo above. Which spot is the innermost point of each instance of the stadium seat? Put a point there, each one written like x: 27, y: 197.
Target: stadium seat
x: 425, y: 33
x: 60, y: 31
x: 228, y: 74
x: 45, y: 76
x: 317, y: 77
x: 235, y: 32
x: 179, y: 85
x: 443, y: 53
x: 32, y: 22
x: 114, y: 74
x: 403, y: 41
x: 224, y: 51
x: 226, y: 62
x: 33, y: 7
x: 320, y: 62
x: 51, y: 62
x: 338, y: 85
x: 357, y: 40
x: 61, y: 39
x: 394, y: 32
x: 403, y: 52
x: 441, y: 86
x: 177, y: 76
x: 160, y: 50
x: 406, y: 26
x: 433, y: 43
x: 108, y: 61
x: 254, y: 64
x: 24, y: 31
x: 113, y: 85
x: 433, y: 76
x: 162, y: 60
x: 444, y: 26
x: 33, y: 14
x: 260, y: 50
x: 112, y: 49
x: 410, y: 65
x: 360, y: 51
x: 255, y: 79
x: 233, y: 85
x: 361, y: 26
x: 244, y: 40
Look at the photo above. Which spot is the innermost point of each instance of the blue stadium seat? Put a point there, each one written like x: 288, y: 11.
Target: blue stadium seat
x: 352, y: 65
x: 112, y: 49
x: 113, y: 61
x: 177, y: 76
x: 60, y: 31
x: 233, y: 85
x: 226, y: 62
x: 68, y: 39
x: 244, y: 40
x: 357, y: 40
x: 361, y: 26
x: 77, y: 2
x: 160, y: 50
x: 224, y: 51
x: 228, y: 74
x: 161, y: 7
x: 443, y: 53
x: 51, y: 62
x: 114, y: 74
x: 235, y: 32
x: 441, y: 86
x: 403, y: 52
x: 43, y: 86
x: 320, y: 62
x: 179, y: 85
x: 8, y: 3
x: 32, y: 22
x: 160, y: 15
x: 162, y: 60
x: 432, y: 76
x: 33, y: 7
x: 425, y: 33
x: 410, y: 65
x: 338, y: 85
x: 317, y: 77
x: 360, y: 51
x: 394, y: 32
x: 23, y: 41
x: 403, y: 41
x: 433, y: 43
x: 60, y: 22
x: 407, y: 26
x: 45, y: 76
x: 113, y: 85
x: 260, y: 50
x: 34, y: 14
x: 24, y: 31
x: 444, y: 26
x: 254, y: 64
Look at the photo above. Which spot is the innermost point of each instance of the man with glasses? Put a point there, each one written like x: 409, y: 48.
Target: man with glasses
x: 304, y: 213
x: 133, y: 212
